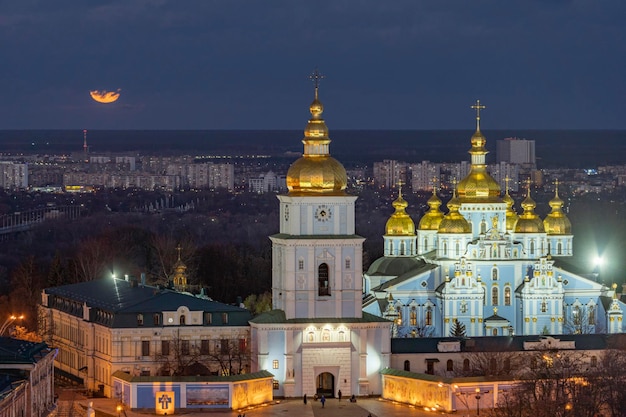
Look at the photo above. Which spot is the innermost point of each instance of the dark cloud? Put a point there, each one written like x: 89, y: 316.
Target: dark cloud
x: 244, y: 64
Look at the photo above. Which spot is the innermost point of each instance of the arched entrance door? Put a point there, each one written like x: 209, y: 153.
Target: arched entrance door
x: 326, y: 385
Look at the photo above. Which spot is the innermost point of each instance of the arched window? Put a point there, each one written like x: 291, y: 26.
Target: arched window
x: 407, y: 366
x: 413, y: 316
x: 507, y: 296
x: 450, y: 365
x: 402, y: 248
x: 532, y: 247
x: 182, y: 319
x: 483, y: 227
x: 544, y: 306
x: 466, y: 366
x: 494, y: 332
x: 429, y: 316
x: 399, y: 318
x: 559, y: 248
x: 592, y: 315
x: 425, y: 243
x: 463, y: 308
x: 494, y: 296
x: 494, y: 274
x: 322, y: 280
x: 457, y: 249
x: 325, y: 335
x: 445, y: 248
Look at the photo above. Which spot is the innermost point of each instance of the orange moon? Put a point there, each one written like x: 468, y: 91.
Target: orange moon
x: 104, y: 96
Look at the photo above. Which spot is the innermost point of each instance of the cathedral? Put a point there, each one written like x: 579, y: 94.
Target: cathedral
x: 481, y: 269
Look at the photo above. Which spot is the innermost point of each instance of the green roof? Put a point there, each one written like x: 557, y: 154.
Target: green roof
x: 278, y: 317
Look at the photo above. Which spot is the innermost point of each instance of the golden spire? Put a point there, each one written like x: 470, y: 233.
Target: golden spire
x: 400, y: 223
x: 179, y: 277
x: 614, y: 286
x: 511, y: 215
x: 478, y: 185
x: 433, y: 217
x: 556, y: 222
x: 454, y: 222
x: 529, y: 221
x: 316, y: 172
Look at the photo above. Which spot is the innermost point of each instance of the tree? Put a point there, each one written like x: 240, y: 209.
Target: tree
x: 258, y: 304
x: 458, y: 329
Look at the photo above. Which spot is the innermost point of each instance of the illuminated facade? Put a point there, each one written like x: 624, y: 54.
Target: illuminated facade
x: 317, y: 340
x: 485, y: 268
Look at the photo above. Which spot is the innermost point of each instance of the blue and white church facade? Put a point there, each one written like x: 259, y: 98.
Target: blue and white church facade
x: 484, y: 266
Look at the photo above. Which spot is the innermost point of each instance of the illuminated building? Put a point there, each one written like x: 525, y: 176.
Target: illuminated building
x: 486, y: 267
x: 317, y: 340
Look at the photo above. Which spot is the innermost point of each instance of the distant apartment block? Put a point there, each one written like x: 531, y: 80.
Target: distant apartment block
x: 144, y: 181
x: 13, y: 175
x: 424, y: 175
x: 267, y: 182
x: 389, y: 173
x: 503, y: 170
x: 204, y: 175
x: 516, y: 151
x: 115, y: 163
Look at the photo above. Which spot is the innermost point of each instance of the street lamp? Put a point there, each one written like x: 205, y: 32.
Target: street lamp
x: 8, y: 322
x: 598, y: 262
x: 119, y: 409
x: 477, y: 401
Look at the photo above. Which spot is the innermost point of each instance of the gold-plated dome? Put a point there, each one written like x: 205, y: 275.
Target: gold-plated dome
x: 529, y: 221
x: 433, y: 217
x: 478, y: 185
x: 511, y: 215
x: 316, y: 172
x: 454, y: 222
x: 179, y: 277
x: 556, y: 222
x: 400, y: 223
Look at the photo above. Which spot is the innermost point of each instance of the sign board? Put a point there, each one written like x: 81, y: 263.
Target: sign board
x: 164, y: 403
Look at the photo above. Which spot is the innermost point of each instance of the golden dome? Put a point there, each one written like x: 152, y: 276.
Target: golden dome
x: 433, y: 217
x: 556, y: 222
x: 511, y: 215
x: 454, y: 222
x: 316, y: 172
x: 478, y: 185
x: 400, y: 223
x: 529, y: 221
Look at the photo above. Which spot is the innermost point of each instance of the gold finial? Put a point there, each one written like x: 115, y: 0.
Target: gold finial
x: 507, y: 180
x: 478, y: 107
x: 400, y: 184
x: 316, y: 77
x: 614, y: 286
x: 495, y: 311
x: 528, y: 182
x: 556, y: 187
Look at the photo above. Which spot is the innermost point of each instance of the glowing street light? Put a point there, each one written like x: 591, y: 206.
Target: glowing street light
x: 598, y: 262
x: 477, y: 401
x: 8, y: 322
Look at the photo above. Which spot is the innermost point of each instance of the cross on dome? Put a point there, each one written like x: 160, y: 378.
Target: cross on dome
x: 316, y: 77
x: 478, y: 107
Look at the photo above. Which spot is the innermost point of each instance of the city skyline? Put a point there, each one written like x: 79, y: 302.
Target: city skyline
x: 405, y: 65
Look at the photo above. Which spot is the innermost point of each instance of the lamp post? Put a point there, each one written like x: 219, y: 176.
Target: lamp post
x: 477, y: 401
x: 119, y: 410
x: 8, y: 322
x: 598, y: 262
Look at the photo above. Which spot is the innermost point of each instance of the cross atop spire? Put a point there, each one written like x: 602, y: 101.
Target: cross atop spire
x: 316, y: 77
x: 178, y: 249
x: 478, y: 107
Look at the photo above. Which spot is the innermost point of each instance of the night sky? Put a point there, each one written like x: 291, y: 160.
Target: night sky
x: 230, y: 64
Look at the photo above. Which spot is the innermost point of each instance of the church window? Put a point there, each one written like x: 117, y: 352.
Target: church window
x: 450, y: 365
x: 139, y: 319
x: 322, y: 280
x: 494, y: 332
x: 445, y: 248
x: 483, y: 227
x: 544, y: 306
x: 457, y: 249
x: 326, y: 335
x: 532, y: 247
x: 413, y: 316
x: 342, y: 336
x: 429, y: 316
x: 494, y: 274
x: 466, y: 365
x: 425, y: 244
x: 592, y: 315
x: 399, y: 318
x: 594, y: 361
x: 559, y: 248
x: 463, y: 307
x: 402, y: 248
x: 300, y: 264
x: 507, y: 296
x: 494, y: 296
x: 275, y: 364
x: 181, y: 320
x: 407, y: 366
x: 348, y: 263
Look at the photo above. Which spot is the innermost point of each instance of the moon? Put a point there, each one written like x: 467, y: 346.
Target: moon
x: 104, y: 96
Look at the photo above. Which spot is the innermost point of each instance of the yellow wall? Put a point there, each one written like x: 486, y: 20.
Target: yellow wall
x: 416, y: 392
